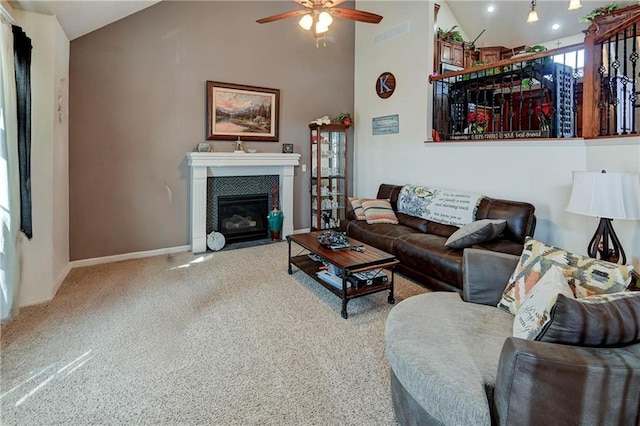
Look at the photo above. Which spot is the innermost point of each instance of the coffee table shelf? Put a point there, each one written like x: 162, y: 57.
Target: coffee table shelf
x: 348, y: 261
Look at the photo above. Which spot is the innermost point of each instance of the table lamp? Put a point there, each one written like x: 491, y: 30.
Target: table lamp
x: 607, y: 196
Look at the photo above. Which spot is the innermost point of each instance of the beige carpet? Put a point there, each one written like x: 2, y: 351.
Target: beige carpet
x: 224, y: 338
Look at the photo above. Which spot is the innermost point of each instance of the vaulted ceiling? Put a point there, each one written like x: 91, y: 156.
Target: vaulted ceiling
x: 506, y: 25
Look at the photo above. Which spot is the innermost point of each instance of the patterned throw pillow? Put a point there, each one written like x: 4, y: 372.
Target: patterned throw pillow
x: 475, y: 233
x: 379, y: 211
x: 586, y: 276
x: 356, y: 205
x: 604, y: 320
x: 535, y: 311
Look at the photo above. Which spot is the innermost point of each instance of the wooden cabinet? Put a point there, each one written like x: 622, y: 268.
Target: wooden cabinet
x: 328, y: 175
x: 491, y: 54
x: 453, y: 53
x: 509, y: 52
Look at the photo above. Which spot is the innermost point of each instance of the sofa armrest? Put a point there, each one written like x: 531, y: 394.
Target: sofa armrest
x: 551, y: 384
x: 485, y: 275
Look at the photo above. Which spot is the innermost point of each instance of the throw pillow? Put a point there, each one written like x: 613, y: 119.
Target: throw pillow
x: 379, y: 211
x: 535, y: 311
x: 586, y: 276
x: 476, y: 232
x: 356, y: 205
x: 605, y: 320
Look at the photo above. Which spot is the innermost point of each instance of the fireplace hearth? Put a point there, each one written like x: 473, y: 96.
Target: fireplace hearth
x: 243, y: 217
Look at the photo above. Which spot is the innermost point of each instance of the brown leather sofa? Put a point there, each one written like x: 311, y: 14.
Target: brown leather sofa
x: 419, y: 243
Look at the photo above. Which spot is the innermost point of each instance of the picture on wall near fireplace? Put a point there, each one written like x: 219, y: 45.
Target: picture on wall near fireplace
x: 248, y: 112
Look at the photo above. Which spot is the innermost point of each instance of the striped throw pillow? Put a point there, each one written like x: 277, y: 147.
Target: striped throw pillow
x: 379, y: 211
x: 356, y: 205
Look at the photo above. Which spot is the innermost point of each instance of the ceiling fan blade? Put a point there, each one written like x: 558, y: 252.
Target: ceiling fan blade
x: 282, y: 16
x: 355, y: 15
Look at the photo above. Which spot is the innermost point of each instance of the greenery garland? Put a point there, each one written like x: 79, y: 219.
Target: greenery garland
x: 599, y: 11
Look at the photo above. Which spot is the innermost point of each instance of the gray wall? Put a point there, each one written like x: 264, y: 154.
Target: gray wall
x: 137, y: 106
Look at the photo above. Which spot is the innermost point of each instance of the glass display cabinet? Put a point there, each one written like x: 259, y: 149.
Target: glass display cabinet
x: 328, y: 175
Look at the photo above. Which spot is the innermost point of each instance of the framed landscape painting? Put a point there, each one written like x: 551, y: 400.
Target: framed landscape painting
x: 246, y: 112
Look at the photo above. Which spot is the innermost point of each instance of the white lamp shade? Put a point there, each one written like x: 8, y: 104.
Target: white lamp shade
x: 306, y: 22
x: 325, y: 19
x: 575, y: 4
x: 533, y: 16
x: 320, y: 29
x: 605, y: 195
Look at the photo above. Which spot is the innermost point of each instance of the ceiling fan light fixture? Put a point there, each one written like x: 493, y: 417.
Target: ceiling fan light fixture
x: 325, y: 19
x: 306, y: 22
x: 575, y: 4
x: 321, y: 29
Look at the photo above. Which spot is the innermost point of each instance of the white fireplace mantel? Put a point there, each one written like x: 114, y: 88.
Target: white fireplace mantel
x: 211, y: 164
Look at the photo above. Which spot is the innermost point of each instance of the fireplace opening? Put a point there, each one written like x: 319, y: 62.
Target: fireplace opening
x: 243, y: 217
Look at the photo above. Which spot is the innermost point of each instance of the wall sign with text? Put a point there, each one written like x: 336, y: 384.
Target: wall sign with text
x: 386, y: 125
x: 385, y: 85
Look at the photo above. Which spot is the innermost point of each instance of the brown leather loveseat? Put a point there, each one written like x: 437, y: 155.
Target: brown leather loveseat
x: 419, y: 244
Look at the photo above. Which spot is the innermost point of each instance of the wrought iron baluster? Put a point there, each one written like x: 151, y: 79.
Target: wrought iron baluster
x: 634, y: 88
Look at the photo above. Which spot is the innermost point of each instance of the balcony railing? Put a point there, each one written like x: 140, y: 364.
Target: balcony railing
x: 611, y: 89
x: 586, y: 90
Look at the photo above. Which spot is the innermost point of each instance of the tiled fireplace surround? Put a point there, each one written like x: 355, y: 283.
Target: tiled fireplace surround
x: 211, y: 164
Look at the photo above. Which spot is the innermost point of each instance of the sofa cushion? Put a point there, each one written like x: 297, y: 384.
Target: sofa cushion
x: 603, y: 320
x: 586, y: 276
x: 356, y: 207
x: 427, y: 253
x: 381, y: 235
x: 476, y: 232
x: 416, y: 223
x: 535, y: 311
x: 378, y: 211
x: 424, y: 333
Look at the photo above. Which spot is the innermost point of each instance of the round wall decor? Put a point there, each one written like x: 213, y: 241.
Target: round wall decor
x: 385, y: 85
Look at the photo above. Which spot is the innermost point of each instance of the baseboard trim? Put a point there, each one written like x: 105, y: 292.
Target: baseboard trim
x: 58, y: 282
x: 128, y: 256
x: 301, y: 231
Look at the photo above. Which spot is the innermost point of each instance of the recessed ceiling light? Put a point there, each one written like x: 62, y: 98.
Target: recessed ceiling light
x: 555, y: 26
x: 490, y: 9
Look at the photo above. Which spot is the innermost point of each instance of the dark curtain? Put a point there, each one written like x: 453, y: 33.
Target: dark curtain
x: 22, y: 63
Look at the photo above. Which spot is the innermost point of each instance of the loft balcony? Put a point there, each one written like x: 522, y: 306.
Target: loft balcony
x: 588, y: 90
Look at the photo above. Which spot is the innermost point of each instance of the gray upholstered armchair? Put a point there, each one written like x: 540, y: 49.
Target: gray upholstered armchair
x: 455, y: 362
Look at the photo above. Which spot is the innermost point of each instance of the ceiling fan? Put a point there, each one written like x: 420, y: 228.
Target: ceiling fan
x: 318, y: 15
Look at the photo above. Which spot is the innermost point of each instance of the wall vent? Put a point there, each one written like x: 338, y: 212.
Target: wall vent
x: 396, y: 31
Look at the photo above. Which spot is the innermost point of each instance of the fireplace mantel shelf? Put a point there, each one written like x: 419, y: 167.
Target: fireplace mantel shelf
x: 231, y: 159
x: 212, y: 164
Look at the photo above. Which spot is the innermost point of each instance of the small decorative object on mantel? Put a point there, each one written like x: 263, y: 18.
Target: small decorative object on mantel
x: 344, y: 119
x: 239, y: 149
x: 204, y: 147
x: 287, y: 148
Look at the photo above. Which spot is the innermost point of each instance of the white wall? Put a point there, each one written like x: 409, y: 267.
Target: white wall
x: 45, y: 257
x: 446, y: 20
x: 536, y: 172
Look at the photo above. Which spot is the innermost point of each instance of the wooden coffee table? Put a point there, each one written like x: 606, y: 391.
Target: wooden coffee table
x: 348, y: 261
